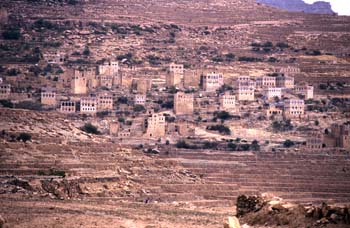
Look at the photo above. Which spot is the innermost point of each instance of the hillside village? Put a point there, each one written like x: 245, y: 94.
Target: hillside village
x: 169, y: 110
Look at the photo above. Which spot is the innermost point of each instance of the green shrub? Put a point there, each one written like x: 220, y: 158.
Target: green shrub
x: 29, y: 105
x: 86, y: 51
x: 210, y: 145
x: 232, y: 146
x: 6, y: 103
x: 11, y: 34
x: 223, y: 115
x: 24, y: 137
x: 255, y: 145
x: 220, y: 128
x: 182, y: 144
x: 139, y: 108
x: 282, y: 45
x: 91, y: 129
x: 288, y: 143
x: 13, y: 72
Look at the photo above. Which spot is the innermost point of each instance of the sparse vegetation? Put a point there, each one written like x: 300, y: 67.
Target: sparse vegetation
x: 284, y: 125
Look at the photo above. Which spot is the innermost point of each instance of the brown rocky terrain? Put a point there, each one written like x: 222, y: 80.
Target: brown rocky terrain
x: 65, y: 177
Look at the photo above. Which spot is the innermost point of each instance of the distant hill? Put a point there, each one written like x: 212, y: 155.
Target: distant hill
x: 300, y: 6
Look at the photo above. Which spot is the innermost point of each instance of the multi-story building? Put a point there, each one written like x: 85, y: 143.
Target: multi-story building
x: 114, y: 128
x: 274, y: 111
x: 140, y: 99
x: 212, y: 81
x: 109, y: 68
x: 285, y: 82
x: 5, y: 91
x: 179, y: 68
x: 88, y: 105
x: 266, y: 82
x: 106, y: 81
x: 155, y: 125
x: 306, y: 90
x: 104, y: 102
x: 48, y: 97
x: 67, y: 107
x: 108, y: 74
x: 175, y: 75
x: 84, y: 79
x: 289, y: 70
x: 245, y: 81
x: 245, y: 93
x: 338, y: 136
x: 294, y: 108
x: 183, y: 103
x: 54, y: 58
x: 314, y: 141
x: 143, y: 85
x: 228, y: 101
x: 271, y: 93
x: 191, y: 78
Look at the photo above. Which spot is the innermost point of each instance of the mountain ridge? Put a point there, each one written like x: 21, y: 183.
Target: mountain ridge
x: 319, y: 7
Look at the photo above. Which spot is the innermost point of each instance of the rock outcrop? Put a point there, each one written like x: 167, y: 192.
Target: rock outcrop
x: 300, y: 6
x: 256, y: 211
x: 232, y: 222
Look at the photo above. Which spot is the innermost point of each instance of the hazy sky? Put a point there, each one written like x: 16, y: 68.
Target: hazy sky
x: 342, y: 7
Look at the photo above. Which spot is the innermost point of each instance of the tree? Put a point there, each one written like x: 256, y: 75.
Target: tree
x: 86, y: 51
x: 282, y: 45
x: 223, y: 115
x: 91, y: 129
x: 6, y: 103
x: 72, y: 2
x: 232, y: 146
x: 123, y: 100
x: 323, y: 86
x: 267, y: 44
x: 288, y: 143
x: 220, y: 128
x: 210, y: 145
x: 255, y: 145
x: 36, y: 70
x: 13, y: 72
x: 229, y: 57
x: 245, y: 147
x: 11, y: 34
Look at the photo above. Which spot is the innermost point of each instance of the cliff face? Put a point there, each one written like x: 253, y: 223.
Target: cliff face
x: 300, y: 6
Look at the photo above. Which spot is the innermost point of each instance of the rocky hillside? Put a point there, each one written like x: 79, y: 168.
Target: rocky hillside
x: 300, y: 6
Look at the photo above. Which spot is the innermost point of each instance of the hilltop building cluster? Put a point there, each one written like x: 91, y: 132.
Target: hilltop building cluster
x: 177, y: 101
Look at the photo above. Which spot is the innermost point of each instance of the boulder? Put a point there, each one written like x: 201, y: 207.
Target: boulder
x: 232, y: 222
x: 278, y: 208
x: 246, y: 204
x: 61, y: 188
x: 325, y: 210
x: 2, y: 222
x: 322, y: 221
